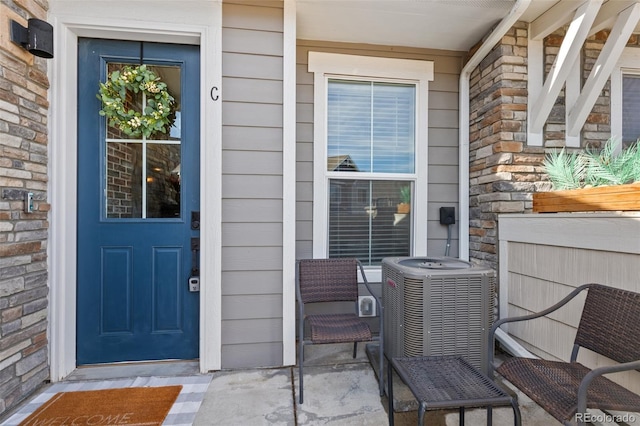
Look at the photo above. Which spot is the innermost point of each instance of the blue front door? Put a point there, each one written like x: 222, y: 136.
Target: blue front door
x: 136, y: 195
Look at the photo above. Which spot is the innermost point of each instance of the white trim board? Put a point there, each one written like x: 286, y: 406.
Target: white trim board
x: 63, y: 168
x: 289, y: 185
x: 615, y: 232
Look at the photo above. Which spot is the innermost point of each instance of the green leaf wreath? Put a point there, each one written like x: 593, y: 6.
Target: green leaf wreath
x: 158, y: 114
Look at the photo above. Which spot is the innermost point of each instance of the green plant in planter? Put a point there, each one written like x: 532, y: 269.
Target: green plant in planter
x: 590, y: 168
x: 405, y: 200
x: 405, y: 194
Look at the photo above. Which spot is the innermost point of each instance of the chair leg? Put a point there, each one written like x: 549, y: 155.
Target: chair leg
x: 301, y: 322
x: 381, y: 367
x: 517, y: 417
x: 355, y: 349
x: 421, y: 411
x: 300, y: 368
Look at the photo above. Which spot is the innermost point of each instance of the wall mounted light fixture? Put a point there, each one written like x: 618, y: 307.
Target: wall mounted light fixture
x: 37, y: 38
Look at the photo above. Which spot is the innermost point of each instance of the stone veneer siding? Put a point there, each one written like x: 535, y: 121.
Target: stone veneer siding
x: 23, y: 236
x: 504, y: 170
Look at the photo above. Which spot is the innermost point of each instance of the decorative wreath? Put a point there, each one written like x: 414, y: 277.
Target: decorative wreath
x: 116, y: 94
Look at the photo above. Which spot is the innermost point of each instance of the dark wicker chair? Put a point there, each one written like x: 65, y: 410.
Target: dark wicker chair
x: 610, y: 326
x: 332, y: 280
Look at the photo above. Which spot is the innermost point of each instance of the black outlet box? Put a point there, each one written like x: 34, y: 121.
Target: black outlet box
x: 447, y: 215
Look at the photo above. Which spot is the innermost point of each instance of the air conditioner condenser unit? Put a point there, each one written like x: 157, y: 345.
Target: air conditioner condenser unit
x: 437, y: 306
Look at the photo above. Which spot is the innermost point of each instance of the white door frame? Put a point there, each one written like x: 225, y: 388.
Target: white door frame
x: 63, y: 169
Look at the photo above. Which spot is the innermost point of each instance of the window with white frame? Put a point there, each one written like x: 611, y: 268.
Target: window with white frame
x: 625, y: 97
x: 370, y: 163
x: 630, y: 107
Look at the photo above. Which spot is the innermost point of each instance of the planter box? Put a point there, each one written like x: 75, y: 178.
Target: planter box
x: 603, y: 198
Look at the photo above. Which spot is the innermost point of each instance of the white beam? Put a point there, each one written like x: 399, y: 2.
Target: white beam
x: 571, y: 95
x: 608, y: 14
x: 568, y: 54
x: 616, y: 42
x: 553, y: 18
x: 535, y: 59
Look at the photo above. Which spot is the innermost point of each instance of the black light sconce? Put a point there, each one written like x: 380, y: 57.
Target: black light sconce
x: 37, y: 38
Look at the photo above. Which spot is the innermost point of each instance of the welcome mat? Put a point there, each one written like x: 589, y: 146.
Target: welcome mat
x: 145, y: 406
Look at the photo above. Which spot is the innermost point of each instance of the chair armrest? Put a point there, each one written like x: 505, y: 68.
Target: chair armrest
x: 596, y: 372
x: 542, y: 313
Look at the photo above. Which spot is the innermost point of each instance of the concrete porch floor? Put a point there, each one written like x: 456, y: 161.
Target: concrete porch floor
x: 339, y: 390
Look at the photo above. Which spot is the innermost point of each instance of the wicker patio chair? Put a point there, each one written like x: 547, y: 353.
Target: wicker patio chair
x: 333, y: 280
x: 610, y: 326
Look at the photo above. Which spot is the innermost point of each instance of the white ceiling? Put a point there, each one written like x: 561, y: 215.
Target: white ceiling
x: 436, y: 24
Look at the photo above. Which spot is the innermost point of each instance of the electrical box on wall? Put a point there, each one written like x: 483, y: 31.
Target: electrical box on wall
x: 447, y: 215
x: 366, y: 306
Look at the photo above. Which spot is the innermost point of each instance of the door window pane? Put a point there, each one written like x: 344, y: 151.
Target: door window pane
x: 371, y: 127
x: 124, y: 180
x: 143, y: 175
x: 368, y: 219
x: 163, y: 181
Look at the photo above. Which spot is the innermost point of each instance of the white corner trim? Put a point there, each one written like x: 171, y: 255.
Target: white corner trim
x: 289, y: 185
x: 211, y: 194
x: 62, y: 246
x: 63, y: 169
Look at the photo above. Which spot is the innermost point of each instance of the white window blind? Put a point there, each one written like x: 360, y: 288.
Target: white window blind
x: 364, y: 221
x: 370, y: 130
x: 372, y: 124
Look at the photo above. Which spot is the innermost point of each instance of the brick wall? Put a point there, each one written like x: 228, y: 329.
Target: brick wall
x: 23, y: 236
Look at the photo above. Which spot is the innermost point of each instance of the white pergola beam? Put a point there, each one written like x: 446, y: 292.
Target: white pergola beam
x: 571, y: 95
x: 552, y: 19
x: 604, y: 65
x: 608, y: 14
x: 535, y: 80
x: 569, y: 52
